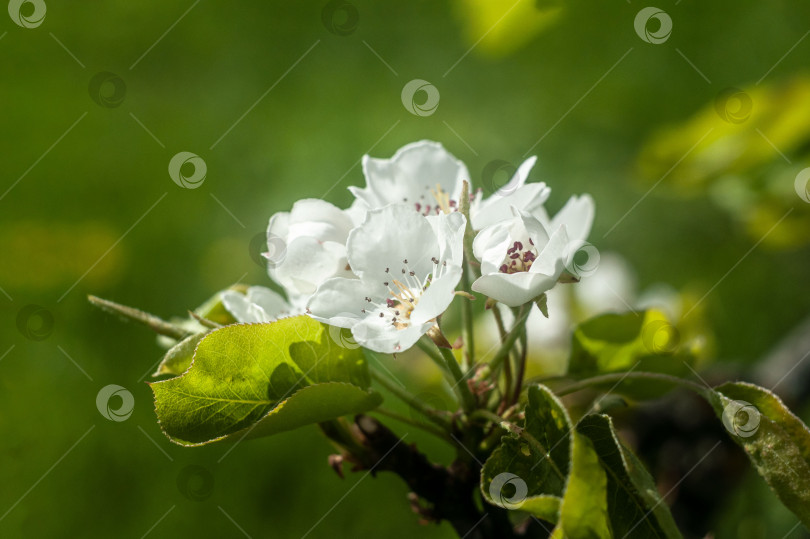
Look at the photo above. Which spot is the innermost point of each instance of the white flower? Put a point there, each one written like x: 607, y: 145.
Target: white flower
x: 577, y: 216
x: 307, y: 246
x: 426, y: 176
x: 407, y: 265
x: 260, y: 304
x: 519, y: 258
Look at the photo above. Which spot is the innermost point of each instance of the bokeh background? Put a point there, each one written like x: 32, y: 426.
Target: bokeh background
x: 690, y: 146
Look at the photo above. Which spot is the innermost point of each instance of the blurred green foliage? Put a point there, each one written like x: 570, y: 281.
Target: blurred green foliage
x: 573, y: 84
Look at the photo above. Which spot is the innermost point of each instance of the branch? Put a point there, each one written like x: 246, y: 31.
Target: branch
x: 451, y: 491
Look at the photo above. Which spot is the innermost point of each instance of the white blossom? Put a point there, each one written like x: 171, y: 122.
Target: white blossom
x: 407, y: 267
x: 260, y: 304
x: 520, y: 259
x: 429, y: 178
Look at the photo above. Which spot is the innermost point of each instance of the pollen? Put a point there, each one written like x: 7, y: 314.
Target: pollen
x: 519, y: 258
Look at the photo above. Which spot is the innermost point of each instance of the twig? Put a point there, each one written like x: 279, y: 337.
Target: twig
x: 151, y: 321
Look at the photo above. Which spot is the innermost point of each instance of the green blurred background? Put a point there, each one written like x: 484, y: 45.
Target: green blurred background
x: 281, y: 106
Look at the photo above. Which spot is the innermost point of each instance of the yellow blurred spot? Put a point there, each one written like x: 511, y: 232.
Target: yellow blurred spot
x: 504, y: 27
x: 744, y: 150
x: 38, y: 255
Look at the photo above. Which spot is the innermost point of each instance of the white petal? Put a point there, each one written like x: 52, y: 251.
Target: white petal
x: 237, y: 304
x: 577, y: 216
x: 279, y: 226
x: 273, y: 305
x: 513, y: 289
x: 318, y: 219
x: 527, y: 198
x: 438, y: 296
x: 387, y: 238
x: 259, y: 305
x: 551, y: 258
x: 308, y: 263
x: 449, y: 229
x: 340, y: 302
x: 490, y: 245
x: 381, y: 336
x: 410, y: 174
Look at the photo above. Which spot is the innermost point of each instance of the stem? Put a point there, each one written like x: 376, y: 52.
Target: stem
x: 467, y: 334
x: 338, y: 431
x: 509, y: 341
x: 427, y: 428
x: 428, y: 348
x: 499, y: 320
x: 447, y: 490
x: 151, y: 321
x: 524, y: 345
x: 467, y: 266
x: 620, y: 376
x: 412, y: 401
x: 468, y: 401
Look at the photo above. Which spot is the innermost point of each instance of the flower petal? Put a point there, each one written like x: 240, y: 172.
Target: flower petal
x: 438, y: 296
x: 490, y: 245
x: 449, y: 229
x: 318, y: 219
x: 269, y: 301
x: 552, y: 258
x: 513, y: 289
x: 527, y: 198
x: 577, y: 216
x: 308, y: 263
x: 340, y: 302
x: 381, y: 336
x: 378, y: 249
x: 411, y: 174
x: 260, y: 304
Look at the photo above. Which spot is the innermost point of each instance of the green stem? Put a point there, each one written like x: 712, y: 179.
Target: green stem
x: 427, y: 346
x: 412, y: 401
x: 620, y: 376
x: 337, y: 431
x: 467, y: 334
x: 521, y: 371
x: 511, y: 337
x: 467, y: 268
x: 151, y: 321
x: 427, y: 428
x: 468, y: 401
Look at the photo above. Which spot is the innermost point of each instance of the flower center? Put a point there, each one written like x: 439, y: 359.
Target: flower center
x: 404, y: 293
x: 519, y: 257
x: 441, y: 201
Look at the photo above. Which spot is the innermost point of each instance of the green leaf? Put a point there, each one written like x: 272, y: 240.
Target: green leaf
x: 250, y: 380
x: 515, y: 462
x: 645, y: 341
x: 635, y: 508
x: 553, y: 471
x: 178, y: 357
x: 776, y: 441
x: 584, y: 511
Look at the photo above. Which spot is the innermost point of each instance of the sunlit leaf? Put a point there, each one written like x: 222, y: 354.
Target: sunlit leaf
x: 259, y: 379
x: 776, y: 441
x: 178, y: 358
x: 642, y: 341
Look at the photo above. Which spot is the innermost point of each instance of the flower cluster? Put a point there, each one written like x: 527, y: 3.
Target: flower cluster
x: 388, y: 266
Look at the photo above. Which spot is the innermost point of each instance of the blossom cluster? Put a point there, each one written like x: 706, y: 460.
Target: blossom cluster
x: 388, y: 266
